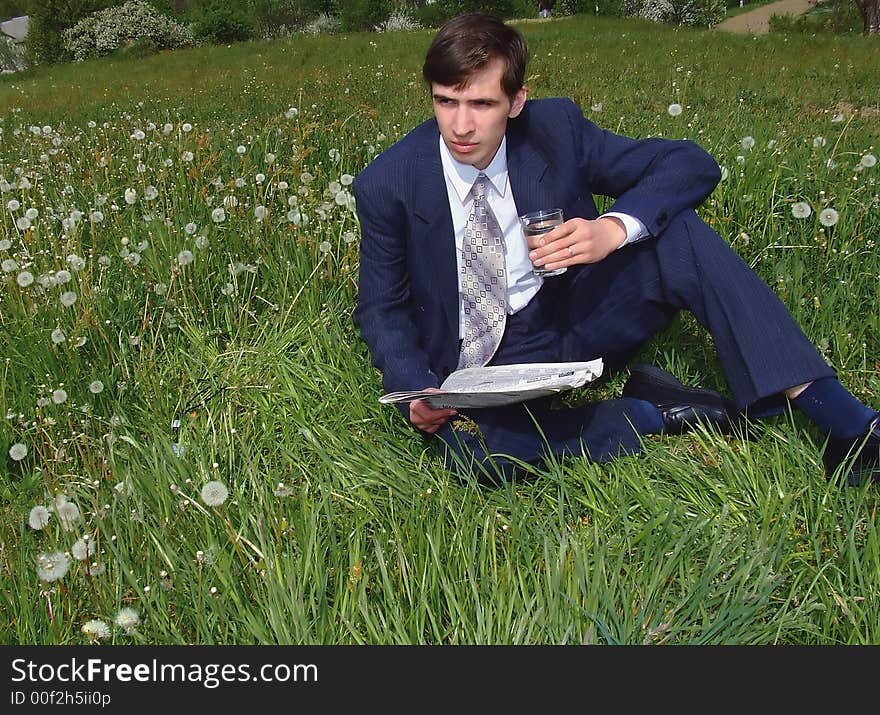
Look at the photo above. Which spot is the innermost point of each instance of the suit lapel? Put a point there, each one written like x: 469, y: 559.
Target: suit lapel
x: 527, y: 169
x: 434, y: 235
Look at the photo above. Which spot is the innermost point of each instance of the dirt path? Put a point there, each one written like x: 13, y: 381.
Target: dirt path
x: 757, y: 21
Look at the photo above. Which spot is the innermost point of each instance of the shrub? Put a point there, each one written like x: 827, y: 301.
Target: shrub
x: 437, y: 13
x: 678, y: 12
x: 48, y: 21
x: 357, y: 15
x: 12, y: 55
x: 398, y: 20
x: 321, y: 24
x: 135, y: 26
x: 223, y: 22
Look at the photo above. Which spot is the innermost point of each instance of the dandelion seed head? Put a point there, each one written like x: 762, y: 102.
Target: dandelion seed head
x: 24, y: 279
x: 127, y: 619
x: 38, y: 517
x: 828, y: 217
x: 96, y: 629
x: 801, y: 209
x: 674, y: 110
x: 58, y: 336
x: 52, y: 566
x: 214, y: 493
x: 747, y: 142
x: 185, y: 257
x: 68, y: 298
x: 868, y: 160
x: 218, y: 215
x: 96, y: 387
x: 83, y: 549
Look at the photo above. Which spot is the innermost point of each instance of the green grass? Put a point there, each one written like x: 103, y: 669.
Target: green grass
x: 341, y: 526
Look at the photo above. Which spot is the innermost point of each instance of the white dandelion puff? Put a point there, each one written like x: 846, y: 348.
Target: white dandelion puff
x: 747, y: 142
x: 17, y: 452
x: 130, y: 196
x: 9, y: 265
x: 190, y: 228
x: 324, y: 247
x: 31, y: 213
x: 151, y: 192
x: 346, y: 179
x: 52, y: 566
x: 13, y: 205
x: 83, y: 548
x: 75, y: 262
x: 674, y: 109
x: 96, y: 629
x: 68, y: 298
x: 58, y: 336
x: 828, y: 217
x: 240, y: 149
x: 187, y: 127
x: 68, y: 514
x: 868, y: 160
x: 62, y: 276
x: 24, y: 279
x: 260, y: 213
x: 38, y: 517
x: 819, y: 142
x: 801, y: 209
x: 185, y: 257
x: 218, y: 215
x: 214, y: 493
x: 187, y: 156
x: 127, y: 619
x: 96, y: 387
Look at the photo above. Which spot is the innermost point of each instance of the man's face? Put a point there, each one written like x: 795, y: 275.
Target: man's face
x: 473, y: 118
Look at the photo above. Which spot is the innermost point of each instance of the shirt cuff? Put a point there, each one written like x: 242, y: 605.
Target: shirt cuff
x: 635, y: 229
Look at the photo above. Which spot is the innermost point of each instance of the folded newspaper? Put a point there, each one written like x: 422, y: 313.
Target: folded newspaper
x: 503, y: 384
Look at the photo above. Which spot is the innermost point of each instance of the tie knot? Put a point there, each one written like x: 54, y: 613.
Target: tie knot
x: 479, y: 188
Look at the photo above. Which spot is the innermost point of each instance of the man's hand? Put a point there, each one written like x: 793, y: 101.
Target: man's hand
x: 577, y: 240
x: 426, y: 418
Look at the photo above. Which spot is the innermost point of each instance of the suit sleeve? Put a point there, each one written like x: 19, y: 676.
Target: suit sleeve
x: 651, y: 179
x: 384, y: 312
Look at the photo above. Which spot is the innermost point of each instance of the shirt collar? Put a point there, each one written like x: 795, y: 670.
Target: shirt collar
x: 463, y: 176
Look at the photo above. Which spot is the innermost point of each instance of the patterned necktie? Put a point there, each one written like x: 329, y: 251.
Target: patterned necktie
x: 483, y: 284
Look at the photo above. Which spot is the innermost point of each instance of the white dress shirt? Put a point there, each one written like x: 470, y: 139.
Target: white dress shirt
x: 522, y: 283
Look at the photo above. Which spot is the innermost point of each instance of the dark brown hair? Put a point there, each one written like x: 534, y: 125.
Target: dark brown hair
x: 467, y: 43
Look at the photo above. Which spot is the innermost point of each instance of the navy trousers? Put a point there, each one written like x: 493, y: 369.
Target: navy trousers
x: 610, y: 310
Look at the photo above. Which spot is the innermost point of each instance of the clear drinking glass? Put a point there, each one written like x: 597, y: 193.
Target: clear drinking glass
x: 536, y: 223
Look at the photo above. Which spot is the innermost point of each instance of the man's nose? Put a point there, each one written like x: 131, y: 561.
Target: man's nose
x: 463, y: 123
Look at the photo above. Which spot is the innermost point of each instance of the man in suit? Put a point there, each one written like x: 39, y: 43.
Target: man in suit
x: 628, y: 272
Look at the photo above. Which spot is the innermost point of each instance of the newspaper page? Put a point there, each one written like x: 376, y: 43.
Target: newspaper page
x: 503, y: 384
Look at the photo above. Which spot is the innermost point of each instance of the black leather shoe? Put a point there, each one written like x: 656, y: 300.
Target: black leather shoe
x: 682, y: 407
x: 860, y: 457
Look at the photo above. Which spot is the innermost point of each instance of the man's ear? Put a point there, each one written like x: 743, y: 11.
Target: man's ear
x: 518, y: 103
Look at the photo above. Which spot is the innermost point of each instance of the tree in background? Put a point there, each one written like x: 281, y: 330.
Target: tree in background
x: 870, y: 11
x: 12, y: 8
x: 48, y: 21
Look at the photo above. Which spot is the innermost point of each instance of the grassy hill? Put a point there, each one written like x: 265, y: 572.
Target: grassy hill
x: 179, y: 254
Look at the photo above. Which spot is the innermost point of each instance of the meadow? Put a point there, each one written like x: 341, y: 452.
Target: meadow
x: 193, y: 449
